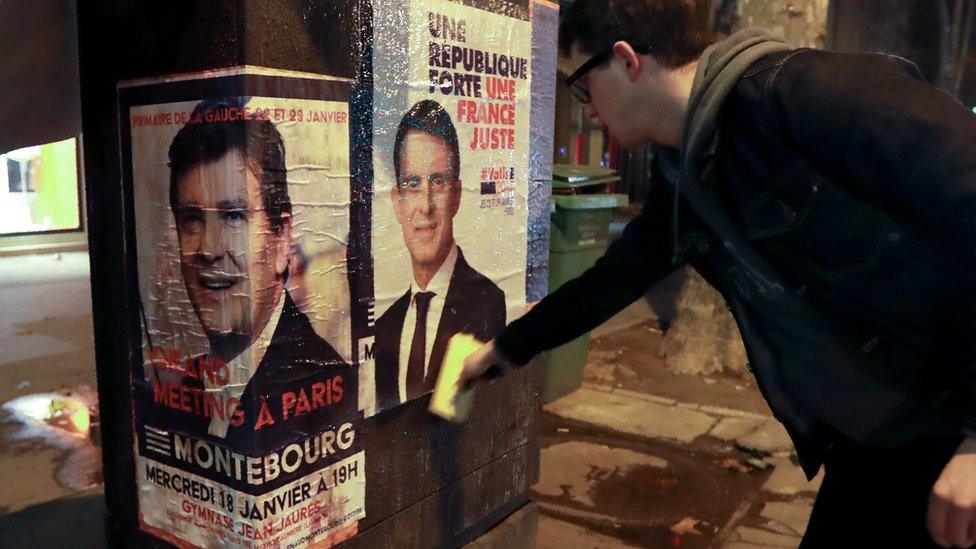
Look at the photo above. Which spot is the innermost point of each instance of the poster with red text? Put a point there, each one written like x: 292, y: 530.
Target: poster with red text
x: 451, y: 99
x: 246, y: 397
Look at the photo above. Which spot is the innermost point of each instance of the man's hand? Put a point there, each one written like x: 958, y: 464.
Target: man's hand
x: 482, y: 366
x: 952, y: 505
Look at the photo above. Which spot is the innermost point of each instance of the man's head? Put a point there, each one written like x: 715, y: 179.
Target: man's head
x: 229, y: 196
x: 427, y: 193
x: 644, y: 45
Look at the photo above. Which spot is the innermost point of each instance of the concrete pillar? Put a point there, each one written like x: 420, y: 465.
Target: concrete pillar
x: 405, y: 478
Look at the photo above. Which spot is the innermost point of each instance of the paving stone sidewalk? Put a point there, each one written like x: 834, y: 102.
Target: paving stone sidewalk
x: 775, y: 516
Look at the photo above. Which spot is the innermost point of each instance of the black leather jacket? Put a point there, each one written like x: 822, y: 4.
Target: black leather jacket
x: 856, y: 181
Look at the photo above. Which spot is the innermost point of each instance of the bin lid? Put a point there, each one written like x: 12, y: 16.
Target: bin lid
x: 589, y: 201
x: 589, y: 186
x: 580, y: 175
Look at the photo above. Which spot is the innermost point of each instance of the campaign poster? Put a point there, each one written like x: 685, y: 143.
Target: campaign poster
x: 451, y: 123
x: 246, y: 397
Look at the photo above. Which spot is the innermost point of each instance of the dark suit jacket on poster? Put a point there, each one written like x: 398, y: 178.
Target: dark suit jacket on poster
x: 473, y: 305
x: 295, y: 359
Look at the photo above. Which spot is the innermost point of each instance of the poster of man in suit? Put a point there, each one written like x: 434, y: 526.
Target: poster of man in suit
x: 446, y: 296
x: 450, y: 164
x: 229, y: 198
x: 247, y: 388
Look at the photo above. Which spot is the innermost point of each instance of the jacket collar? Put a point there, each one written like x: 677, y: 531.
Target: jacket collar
x: 719, y: 70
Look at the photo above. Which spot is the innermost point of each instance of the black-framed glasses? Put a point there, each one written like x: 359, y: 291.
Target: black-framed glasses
x: 582, y: 94
x: 414, y: 185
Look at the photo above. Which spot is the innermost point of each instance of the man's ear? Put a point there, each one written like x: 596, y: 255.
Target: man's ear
x: 631, y: 61
x: 283, y: 254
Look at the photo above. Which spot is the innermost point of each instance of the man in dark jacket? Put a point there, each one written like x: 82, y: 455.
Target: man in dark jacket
x: 831, y: 199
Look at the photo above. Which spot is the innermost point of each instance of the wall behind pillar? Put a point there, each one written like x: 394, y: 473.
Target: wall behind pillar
x: 802, y: 22
x: 909, y: 28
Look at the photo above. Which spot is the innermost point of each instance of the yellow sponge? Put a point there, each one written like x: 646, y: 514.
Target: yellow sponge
x: 451, y: 401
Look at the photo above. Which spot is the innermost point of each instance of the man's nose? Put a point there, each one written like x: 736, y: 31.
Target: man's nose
x: 427, y: 199
x: 212, y: 245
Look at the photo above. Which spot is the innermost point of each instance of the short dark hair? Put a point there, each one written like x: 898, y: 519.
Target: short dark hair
x: 428, y: 116
x: 677, y: 31
x: 207, y: 138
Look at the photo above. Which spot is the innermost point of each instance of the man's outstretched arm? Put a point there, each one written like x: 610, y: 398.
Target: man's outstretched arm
x: 637, y: 260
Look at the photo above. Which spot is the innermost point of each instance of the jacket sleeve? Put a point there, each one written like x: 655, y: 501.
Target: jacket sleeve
x: 637, y: 260
x: 871, y: 121
x: 496, y: 314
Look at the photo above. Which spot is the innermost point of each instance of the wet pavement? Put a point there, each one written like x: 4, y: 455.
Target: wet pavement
x: 60, y: 420
x: 637, y: 469
x: 637, y: 489
x: 46, y: 349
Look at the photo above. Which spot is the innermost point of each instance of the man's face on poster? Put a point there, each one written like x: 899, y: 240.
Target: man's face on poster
x: 426, y: 197
x: 233, y: 262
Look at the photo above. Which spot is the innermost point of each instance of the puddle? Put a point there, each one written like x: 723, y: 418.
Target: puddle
x: 580, y: 473
x: 625, y: 482
x: 643, y: 491
x: 62, y: 420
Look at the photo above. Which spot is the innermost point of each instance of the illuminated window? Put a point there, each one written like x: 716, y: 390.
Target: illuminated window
x: 39, y: 189
x: 20, y: 170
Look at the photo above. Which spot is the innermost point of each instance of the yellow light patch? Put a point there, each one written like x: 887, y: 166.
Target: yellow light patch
x: 451, y: 401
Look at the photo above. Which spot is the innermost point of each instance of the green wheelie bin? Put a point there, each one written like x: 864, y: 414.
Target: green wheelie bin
x: 580, y: 214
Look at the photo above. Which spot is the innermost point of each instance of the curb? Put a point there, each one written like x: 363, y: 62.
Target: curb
x: 704, y: 408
